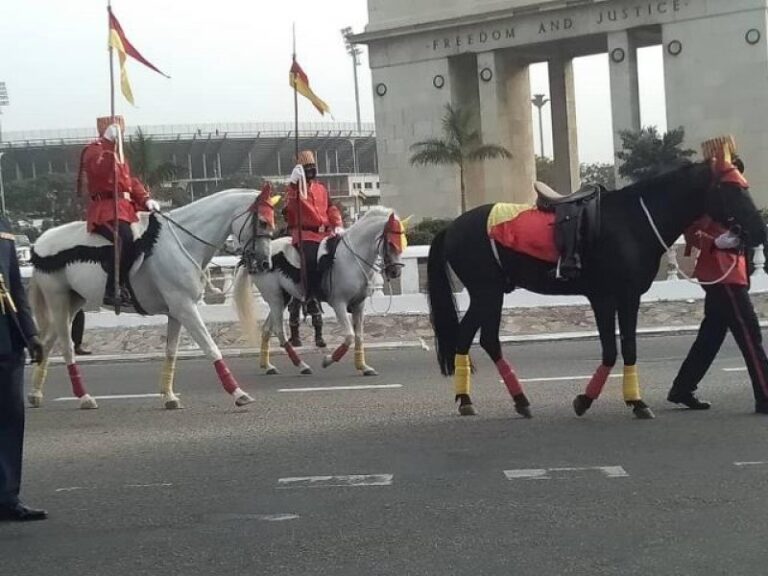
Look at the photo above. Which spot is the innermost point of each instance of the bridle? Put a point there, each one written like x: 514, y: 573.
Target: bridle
x: 388, y: 267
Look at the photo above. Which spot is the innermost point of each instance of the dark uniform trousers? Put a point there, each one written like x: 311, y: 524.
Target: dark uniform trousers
x: 15, y: 331
x: 727, y: 307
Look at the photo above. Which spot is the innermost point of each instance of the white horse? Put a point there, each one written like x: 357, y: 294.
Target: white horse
x: 167, y: 278
x: 345, y: 285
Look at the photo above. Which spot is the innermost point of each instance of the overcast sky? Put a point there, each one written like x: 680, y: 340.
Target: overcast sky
x: 229, y: 62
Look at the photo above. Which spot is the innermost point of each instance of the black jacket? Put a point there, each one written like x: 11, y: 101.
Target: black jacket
x: 15, y: 329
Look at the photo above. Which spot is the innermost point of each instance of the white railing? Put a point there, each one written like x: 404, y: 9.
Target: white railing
x: 407, y: 297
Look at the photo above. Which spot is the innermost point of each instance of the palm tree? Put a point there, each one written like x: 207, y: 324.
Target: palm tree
x: 461, y: 145
x: 144, y: 163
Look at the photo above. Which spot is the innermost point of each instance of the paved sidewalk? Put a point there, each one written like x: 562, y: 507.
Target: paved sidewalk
x: 538, y: 323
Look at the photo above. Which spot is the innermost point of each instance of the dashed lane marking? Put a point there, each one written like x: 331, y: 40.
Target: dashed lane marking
x: 746, y: 464
x: 110, y: 397
x: 564, y: 473
x: 340, y: 388
x: 336, y: 481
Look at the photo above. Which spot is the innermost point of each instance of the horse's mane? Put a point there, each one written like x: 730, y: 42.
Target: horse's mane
x: 666, y: 179
x: 375, y: 212
x: 213, y: 199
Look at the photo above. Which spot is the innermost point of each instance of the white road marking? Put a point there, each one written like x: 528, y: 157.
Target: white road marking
x: 158, y: 485
x: 547, y: 473
x: 742, y: 464
x: 337, y: 388
x: 71, y: 489
x: 742, y: 369
x: 110, y: 397
x: 336, y: 481
x: 560, y: 379
x: 277, y: 517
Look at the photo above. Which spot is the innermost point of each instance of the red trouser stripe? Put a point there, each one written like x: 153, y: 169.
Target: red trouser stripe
x: 77, y: 380
x: 227, y: 379
x: 597, y: 383
x: 752, y: 353
x: 510, y: 378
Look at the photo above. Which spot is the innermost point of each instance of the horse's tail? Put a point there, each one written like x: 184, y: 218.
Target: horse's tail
x: 443, y: 313
x: 246, y: 311
x: 39, y: 307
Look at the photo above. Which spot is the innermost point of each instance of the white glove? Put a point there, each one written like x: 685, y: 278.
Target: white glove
x: 297, y: 174
x: 339, y: 231
x: 727, y: 241
x: 152, y: 205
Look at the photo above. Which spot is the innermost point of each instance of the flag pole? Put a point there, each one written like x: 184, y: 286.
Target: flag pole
x: 299, y: 218
x: 115, y: 188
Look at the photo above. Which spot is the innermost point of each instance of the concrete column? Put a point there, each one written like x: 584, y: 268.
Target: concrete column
x: 625, y: 95
x: 505, y: 114
x: 465, y: 96
x: 564, y: 136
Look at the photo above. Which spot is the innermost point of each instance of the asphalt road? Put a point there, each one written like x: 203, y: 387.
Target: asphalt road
x: 215, y: 490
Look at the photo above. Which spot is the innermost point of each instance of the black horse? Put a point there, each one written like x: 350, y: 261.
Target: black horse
x: 617, y: 270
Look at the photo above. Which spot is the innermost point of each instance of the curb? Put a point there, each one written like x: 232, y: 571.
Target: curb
x: 407, y: 345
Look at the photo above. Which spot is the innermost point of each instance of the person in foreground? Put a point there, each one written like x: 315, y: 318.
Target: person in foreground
x: 722, y: 267
x: 17, y: 332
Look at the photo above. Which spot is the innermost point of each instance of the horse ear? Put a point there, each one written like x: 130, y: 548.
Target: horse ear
x: 406, y: 222
x: 275, y: 200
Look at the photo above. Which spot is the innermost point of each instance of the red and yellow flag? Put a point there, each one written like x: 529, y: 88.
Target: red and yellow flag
x: 298, y: 80
x: 119, y: 42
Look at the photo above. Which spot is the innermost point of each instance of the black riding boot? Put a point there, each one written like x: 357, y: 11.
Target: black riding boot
x: 317, y: 323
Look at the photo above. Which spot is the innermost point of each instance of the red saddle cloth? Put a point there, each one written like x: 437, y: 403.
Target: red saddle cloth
x: 530, y: 232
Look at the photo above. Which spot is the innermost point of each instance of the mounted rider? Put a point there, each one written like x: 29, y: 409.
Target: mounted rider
x: 308, y: 204
x: 102, y: 161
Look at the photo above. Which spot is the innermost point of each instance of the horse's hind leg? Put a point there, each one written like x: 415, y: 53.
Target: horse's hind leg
x: 604, y: 308
x: 628, y: 310
x: 169, y: 398
x: 63, y: 310
x: 489, y: 340
x: 40, y: 373
x: 278, y: 328
x: 264, y: 357
x: 462, y: 377
x: 358, y: 321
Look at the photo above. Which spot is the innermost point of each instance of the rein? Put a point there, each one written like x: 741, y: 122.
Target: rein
x: 668, y: 250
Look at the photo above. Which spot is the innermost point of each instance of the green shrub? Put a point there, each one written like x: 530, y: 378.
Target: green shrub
x: 422, y: 233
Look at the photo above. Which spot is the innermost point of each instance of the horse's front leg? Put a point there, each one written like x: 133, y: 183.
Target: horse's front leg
x: 628, y: 311
x: 340, y: 308
x: 264, y: 356
x: 604, y: 307
x: 168, y: 374
x: 358, y: 321
x: 189, y: 316
x: 278, y: 328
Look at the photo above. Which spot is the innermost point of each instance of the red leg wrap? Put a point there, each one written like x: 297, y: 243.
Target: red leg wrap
x: 509, y: 377
x: 227, y: 379
x: 289, y: 349
x: 596, y: 384
x: 338, y: 354
x: 77, y: 380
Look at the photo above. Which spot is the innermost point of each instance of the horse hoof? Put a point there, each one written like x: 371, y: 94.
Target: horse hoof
x: 35, y: 400
x: 243, y: 400
x: 88, y: 403
x: 370, y: 372
x: 272, y: 371
x: 307, y: 371
x: 172, y: 404
x: 327, y: 361
x: 524, y: 411
x: 581, y: 404
x: 643, y: 413
x: 467, y: 410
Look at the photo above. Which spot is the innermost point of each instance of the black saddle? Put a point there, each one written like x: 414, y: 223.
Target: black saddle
x: 577, y: 224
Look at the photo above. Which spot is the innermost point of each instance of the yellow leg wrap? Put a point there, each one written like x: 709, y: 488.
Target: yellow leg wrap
x: 264, y: 356
x: 167, y: 376
x: 631, y: 384
x: 461, y: 378
x: 40, y: 375
x: 360, y: 357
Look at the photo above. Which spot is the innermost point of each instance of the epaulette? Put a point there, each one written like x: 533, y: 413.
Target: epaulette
x: 7, y: 236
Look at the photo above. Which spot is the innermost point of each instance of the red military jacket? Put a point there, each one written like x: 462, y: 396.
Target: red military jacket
x: 98, y: 163
x: 318, y: 216
x: 712, y: 263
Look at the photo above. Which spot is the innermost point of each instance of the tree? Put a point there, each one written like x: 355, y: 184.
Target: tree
x: 646, y: 153
x: 143, y: 158
x: 51, y: 195
x: 599, y: 173
x: 459, y: 146
x: 545, y: 168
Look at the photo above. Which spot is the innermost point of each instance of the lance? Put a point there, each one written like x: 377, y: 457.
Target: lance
x: 302, y: 184
x: 115, y: 185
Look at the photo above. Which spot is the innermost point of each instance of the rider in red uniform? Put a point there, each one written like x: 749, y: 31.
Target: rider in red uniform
x: 101, y: 162
x: 319, y: 219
